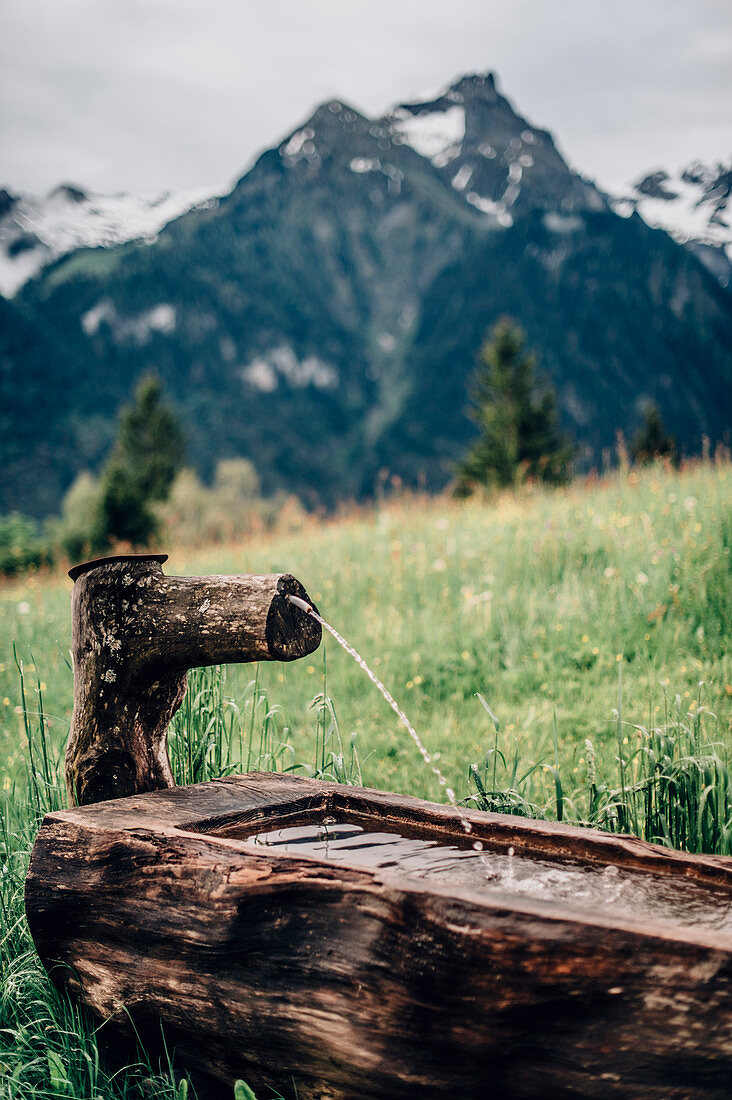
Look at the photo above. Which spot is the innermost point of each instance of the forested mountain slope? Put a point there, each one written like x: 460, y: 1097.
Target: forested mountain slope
x: 323, y: 317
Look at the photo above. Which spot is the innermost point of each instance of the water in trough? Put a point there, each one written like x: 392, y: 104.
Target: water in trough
x: 593, y: 889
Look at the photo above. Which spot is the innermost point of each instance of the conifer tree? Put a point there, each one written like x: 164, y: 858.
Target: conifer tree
x: 652, y: 441
x: 520, y: 437
x: 146, y: 457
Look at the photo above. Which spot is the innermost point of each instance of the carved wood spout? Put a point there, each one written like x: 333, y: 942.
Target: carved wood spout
x: 136, y: 633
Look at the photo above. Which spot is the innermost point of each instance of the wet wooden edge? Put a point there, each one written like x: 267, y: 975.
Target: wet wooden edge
x: 256, y: 801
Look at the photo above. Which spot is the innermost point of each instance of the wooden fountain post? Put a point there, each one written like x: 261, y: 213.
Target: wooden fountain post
x: 136, y: 633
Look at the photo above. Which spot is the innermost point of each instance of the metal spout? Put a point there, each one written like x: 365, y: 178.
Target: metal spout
x: 302, y: 604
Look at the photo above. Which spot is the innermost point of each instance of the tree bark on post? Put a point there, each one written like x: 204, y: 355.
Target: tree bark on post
x: 136, y: 633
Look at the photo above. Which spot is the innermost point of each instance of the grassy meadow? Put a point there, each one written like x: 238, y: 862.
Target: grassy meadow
x: 557, y: 652
x: 539, y: 602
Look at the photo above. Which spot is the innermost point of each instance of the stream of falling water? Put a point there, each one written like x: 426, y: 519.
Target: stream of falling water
x: 306, y: 607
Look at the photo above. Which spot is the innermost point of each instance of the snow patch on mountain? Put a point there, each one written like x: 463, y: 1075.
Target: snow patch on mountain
x: 137, y: 329
x: 265, y: 371
x: 365, y: 164
x: 35, y: 231
x: 496, y: 210
x: 692, y: 205
x: 437, y: 135
x: 461, y: 179
x: 563, y: 223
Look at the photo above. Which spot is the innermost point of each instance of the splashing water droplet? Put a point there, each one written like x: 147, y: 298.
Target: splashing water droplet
x: 511, y: 869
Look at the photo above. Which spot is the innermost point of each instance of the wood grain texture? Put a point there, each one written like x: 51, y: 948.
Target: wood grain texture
x: 374, y: 985
x: 136, y: 633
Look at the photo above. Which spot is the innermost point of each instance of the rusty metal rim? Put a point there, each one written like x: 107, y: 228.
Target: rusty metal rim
x: 85, y: 566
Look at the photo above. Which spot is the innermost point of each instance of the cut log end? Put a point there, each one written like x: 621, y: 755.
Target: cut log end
x: 291, y: 632
x: 77, y: 571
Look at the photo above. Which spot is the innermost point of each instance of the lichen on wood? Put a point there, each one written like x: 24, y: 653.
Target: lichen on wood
x: 136, y: 633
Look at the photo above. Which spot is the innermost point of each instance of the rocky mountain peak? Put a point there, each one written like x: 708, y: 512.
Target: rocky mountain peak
x: 7, y: 201
x: 495, y: 158
x: 693, y: 205
x: 334, y: 117
x: 336, y: 131
x: 70, y: 192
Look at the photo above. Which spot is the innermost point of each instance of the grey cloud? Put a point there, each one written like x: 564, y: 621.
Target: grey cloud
x: 146, y: 94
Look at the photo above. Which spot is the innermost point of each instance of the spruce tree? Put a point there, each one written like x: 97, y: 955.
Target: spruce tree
x: 652, y: 441
x: 146, y: 457
x: 520, y: 437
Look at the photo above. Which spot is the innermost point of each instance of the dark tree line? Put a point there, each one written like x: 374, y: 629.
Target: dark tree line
x: 519, y: 439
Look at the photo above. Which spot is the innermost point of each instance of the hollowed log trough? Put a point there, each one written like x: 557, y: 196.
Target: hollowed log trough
x: 360, y: 978
x: 359, y: 983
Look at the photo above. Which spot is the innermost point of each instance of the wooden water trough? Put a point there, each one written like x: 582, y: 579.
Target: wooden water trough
x: 362, y: 979
x: 365, y: 945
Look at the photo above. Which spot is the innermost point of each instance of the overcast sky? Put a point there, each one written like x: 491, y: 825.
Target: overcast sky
x: 152, y: 94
